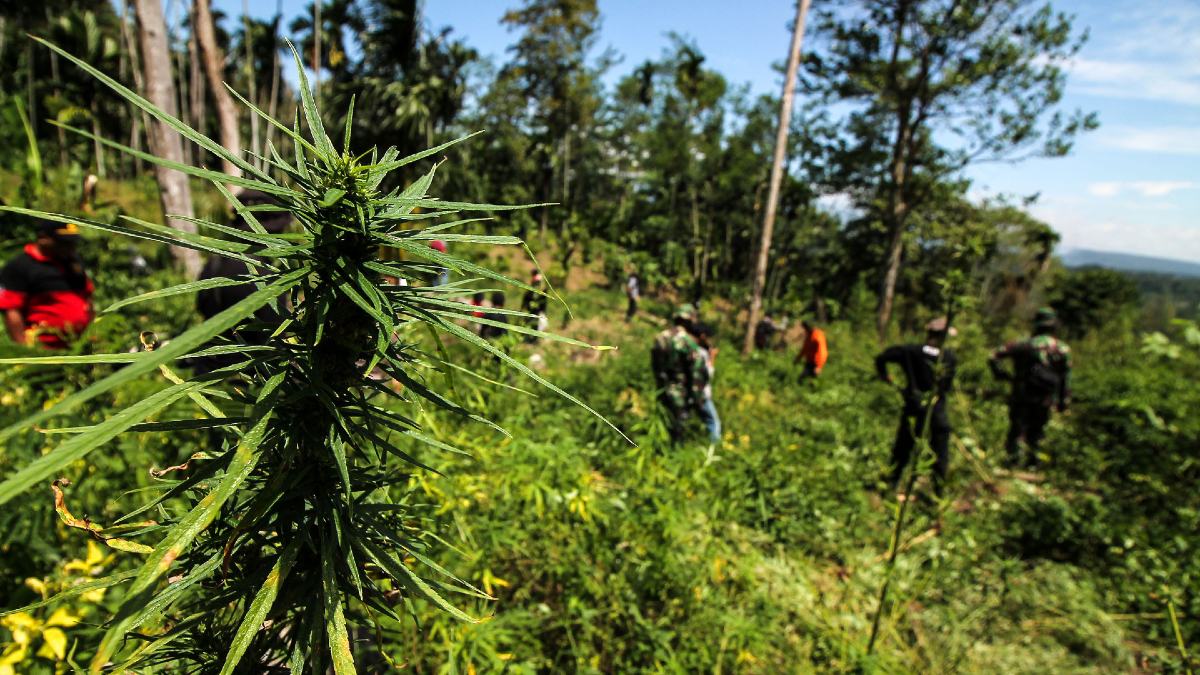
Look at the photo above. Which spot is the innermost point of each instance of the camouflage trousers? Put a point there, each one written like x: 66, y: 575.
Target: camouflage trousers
x: 675, y: 403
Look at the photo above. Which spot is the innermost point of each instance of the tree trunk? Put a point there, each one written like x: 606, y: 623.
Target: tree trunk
x: 704, y: 261
x: 135, y: 134
x: 250, y: 73
x: 785, y: 118
x: 887, y: 291
x: 896, y: 219
x: 566, y: 182
x: 195, y: 90
x: 99, y: 147
x: 165, y: 142
x: 122, y: 50
x: 276, y: 68
x: 31, y: 95
x: 62, y: 134
x: 184, y: 93
x: 214, y: 62
x: 696, y: 253
x: 274, y: 109
x: 316, y: 55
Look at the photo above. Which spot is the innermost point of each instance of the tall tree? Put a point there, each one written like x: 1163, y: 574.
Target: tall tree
x: 251, y: 76
x: 326, y: 48
x: 785, y: 122
x: 214, y: 68
x: 165, y: 142
x: 549, y: 62
x: 933, y: 86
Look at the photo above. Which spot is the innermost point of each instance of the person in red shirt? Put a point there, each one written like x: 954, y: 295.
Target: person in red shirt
x: 814, y: 352
x: 45, y: 293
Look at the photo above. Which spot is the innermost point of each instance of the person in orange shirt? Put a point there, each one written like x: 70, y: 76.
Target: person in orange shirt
x: 814, y: 352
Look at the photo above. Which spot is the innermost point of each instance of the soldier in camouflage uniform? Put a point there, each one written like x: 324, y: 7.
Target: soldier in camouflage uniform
x: 1041, y: 378
x: 675, y: 360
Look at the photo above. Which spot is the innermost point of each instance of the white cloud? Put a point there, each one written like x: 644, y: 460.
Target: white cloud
x: 1105, y: 189
x: 1144, y: 51
x: 1158, y: 188
x: 1170, y: 140
x: 1146, y: 80
x: 1147, y: 188
x: 1119, y: 233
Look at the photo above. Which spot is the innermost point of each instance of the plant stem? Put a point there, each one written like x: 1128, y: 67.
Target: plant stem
x: 1183, y: 655
x: 897, y: 531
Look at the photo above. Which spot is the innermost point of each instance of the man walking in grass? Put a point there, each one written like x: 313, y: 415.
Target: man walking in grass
x: 814, y: 352
x: 1041, y: 379
x: 929, y: 373
x: 675, y: 360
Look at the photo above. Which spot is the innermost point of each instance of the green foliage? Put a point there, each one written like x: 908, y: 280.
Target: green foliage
x: 308, y: 484
x: 1090, y: 298
x: 765, y: 553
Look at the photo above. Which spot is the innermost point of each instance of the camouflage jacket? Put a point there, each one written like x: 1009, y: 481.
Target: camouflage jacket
x: 1032, y: 358
x: 678, y: 364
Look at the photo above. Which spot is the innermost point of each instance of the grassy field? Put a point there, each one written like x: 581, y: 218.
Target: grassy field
x: 763, y: 554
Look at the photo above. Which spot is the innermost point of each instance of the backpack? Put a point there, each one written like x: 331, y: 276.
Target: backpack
x: 660, y: 361
x: 1042, y: 380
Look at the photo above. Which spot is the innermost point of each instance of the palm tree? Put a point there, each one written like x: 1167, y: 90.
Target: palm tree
x: 84, y: 99
x: 265, y: 45
x: 336, y: 15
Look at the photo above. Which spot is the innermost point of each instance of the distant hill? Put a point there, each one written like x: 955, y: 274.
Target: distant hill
x: 1127, y: 262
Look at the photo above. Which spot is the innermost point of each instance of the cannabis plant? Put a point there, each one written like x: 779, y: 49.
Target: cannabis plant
x: 299, y: 520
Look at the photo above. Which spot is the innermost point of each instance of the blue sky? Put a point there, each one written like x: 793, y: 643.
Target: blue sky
x: 1133, y: 186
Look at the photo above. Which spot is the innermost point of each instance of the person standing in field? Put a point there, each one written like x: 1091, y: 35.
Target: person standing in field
x: 675, y: 359
x: 633, y: 291
x: 45, y: 292
x: 813, y: 352
x: 929, y: 373
x: 534, y: 302
x: 704, y: 370
x: 764, y: 332
x: 1041, y: 379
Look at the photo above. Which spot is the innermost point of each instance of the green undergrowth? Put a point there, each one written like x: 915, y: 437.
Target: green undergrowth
x: 765, y: 553
x: 762, y: 554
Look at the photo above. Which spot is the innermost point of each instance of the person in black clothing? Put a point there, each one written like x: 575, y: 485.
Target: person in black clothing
x: 489, y: 332
x: 764, y: 332
x: 929, y: 369
x: 534, y: 303
x: 213, y: 301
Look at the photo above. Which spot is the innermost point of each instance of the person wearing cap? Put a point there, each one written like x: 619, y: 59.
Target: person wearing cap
x: 45, y: 292
x: 674, y: 359
x: 929, y: 373
x: 1041, y: 379
x: 814, y: 352
x: 212, y: 301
